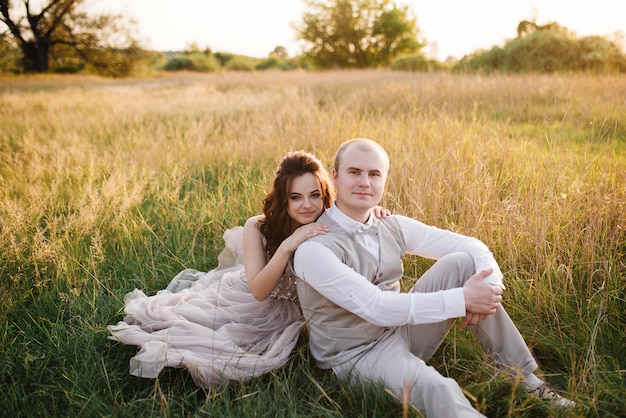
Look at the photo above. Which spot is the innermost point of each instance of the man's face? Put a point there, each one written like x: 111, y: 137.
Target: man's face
x: 360, y: 182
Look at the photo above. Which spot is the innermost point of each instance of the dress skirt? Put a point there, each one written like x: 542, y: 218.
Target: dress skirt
x: 210, y: 324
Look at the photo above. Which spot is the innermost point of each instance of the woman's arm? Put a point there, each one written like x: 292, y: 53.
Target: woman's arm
x: 262, y: 277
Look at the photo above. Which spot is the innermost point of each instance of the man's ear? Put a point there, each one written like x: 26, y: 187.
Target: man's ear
x: 334, y: 174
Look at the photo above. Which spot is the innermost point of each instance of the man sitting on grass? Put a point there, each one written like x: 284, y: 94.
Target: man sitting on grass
x: 363, y: 328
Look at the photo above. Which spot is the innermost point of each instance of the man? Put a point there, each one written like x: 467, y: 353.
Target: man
x: 362, y: 327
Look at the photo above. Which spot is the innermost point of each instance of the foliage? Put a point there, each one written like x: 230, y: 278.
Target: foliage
x: 110, y: 185
x: 277, y: 60
x: 9, y: 55
x: 357, y: 33
x: 280, y: 52
x: 224, y: 57
x: 275, y: 63
x: 60, y: 36
x: 152, y: 62
x: 417, y: 63
x: 193, y: 61
x: 240, y: 63
x: 548, y: 48
x: 206, y: 61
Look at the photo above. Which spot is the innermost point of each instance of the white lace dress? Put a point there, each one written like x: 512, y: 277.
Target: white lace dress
x: 210, y: 324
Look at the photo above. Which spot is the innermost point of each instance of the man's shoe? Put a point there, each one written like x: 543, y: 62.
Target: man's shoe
x: 546, y: 392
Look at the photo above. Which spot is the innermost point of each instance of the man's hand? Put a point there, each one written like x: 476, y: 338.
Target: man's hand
x: 481, y: 298
x: 471, y: 319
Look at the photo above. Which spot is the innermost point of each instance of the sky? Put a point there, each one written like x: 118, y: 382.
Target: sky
x: 450, y: 27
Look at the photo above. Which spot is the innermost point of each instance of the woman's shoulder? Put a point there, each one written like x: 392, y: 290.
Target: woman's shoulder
x: 253, y: 222
x: 251, y: 228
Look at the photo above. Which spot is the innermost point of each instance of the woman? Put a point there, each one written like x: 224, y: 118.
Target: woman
x: 241, y: 319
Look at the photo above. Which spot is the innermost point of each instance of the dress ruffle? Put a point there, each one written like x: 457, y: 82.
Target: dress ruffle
x: 210, y: 324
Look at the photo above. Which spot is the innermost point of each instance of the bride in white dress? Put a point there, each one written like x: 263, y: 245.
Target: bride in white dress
x: 241, y: 319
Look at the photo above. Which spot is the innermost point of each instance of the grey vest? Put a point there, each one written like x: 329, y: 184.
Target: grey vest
x: 335, y: 334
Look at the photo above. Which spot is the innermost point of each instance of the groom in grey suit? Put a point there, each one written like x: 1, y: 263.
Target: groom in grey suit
x: 363, y: 328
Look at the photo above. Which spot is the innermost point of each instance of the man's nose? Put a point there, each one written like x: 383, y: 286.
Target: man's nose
x: 364, y: 180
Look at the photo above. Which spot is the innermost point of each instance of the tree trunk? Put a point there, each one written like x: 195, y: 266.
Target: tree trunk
x: 36, y: 57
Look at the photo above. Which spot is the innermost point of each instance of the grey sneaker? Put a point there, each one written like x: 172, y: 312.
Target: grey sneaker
x: 546, y: 392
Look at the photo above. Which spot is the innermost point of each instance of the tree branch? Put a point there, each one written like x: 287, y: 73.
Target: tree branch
x: 58, y: 17
x: 33, y: 20
x: 6, y: 19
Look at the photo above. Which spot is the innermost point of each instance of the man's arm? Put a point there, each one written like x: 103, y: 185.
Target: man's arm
x: 321, y: 269
x: 431, y: 242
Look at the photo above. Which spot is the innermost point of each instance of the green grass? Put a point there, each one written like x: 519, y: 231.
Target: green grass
x: 110, y: 185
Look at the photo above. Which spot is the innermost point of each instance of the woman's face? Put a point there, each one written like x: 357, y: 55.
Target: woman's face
x: 304, y: 201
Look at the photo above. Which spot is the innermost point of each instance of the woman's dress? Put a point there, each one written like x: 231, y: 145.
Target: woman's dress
x: 210, y: 324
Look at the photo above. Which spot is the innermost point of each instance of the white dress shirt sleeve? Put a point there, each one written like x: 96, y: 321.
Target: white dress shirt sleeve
x: 433, y: 243
x: 321, y: 269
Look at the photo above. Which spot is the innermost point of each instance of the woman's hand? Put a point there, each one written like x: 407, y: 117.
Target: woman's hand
x: 263, y: 276
x: 302, y: 233
x: 381, y: 212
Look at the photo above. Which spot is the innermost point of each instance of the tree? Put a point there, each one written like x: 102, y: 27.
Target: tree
x: 357, y: 33
x: 280, y: 52
x: 60, y: 31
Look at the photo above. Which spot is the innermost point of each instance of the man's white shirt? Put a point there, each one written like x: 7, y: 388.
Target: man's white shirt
x: 321, y: 269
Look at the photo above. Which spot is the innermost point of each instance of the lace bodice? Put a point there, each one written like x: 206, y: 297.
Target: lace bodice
x: 286, y: 289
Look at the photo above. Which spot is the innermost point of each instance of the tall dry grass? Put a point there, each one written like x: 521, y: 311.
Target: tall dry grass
x: 107, y: 185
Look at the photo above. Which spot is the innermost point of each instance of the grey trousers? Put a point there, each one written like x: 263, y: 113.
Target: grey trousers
x: 398, y: 358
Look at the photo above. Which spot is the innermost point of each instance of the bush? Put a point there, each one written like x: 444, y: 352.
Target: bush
x: 416, y: 63
x: 547, y: 49
x: 10, y: 56
x: 275, y: 63
x: 490, y: 61
x: 598, y: 54
x: 224, y: 57
x: 197, y: 61
x: 240, y: 63
x: 69, y: 68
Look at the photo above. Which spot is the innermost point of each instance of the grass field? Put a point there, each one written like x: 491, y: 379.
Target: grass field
x: 107, y: 185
